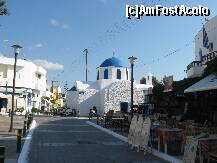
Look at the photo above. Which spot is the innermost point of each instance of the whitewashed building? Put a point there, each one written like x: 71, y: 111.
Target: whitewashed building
x: 205, y: 48
x: 111, y: 88
x: 30, y: 86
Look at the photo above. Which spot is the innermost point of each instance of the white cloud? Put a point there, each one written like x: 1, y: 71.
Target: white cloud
x: 65, y: 26
x: 36, y: 46
x: 56, y: 23
x: 50, y: 66
x: 5, y: 40
x: 39, y: 45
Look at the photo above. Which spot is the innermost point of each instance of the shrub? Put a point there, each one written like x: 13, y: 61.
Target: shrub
x: 21, y: 109
x: 34, y: 110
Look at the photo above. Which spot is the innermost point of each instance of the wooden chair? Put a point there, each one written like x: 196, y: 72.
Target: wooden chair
x: 212, y: 156
x: 212, y: 130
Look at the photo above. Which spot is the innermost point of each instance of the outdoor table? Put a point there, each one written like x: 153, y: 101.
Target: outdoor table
x: 118, y: 121
x: 167, y: 135
x: 106, y: 121
x: 206, y: 146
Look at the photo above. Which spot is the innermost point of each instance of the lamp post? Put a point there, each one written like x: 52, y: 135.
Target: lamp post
x: 16, y: 52
x: 132, y: 61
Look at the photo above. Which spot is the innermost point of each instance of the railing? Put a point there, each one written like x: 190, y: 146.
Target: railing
x: 194, y: 64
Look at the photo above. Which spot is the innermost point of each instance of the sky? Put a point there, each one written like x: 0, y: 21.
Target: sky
x: 54, y: 33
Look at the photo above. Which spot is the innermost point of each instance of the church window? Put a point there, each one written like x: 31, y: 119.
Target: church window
x: 106, y: 74
x: 118, y: 74
x: 98, y: 75
x: 127, y: 73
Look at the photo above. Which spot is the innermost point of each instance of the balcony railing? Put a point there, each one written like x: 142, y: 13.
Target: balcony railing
x: 194, y: 64
x: 209, y: 57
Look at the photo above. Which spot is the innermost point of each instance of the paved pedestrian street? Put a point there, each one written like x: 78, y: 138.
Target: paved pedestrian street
x: 74, y: 141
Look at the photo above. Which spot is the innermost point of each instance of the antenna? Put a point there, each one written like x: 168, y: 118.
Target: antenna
x: 86, y: 52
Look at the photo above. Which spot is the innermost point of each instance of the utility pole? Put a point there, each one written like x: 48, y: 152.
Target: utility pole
x: 52, y: 84
x: 86, y: 52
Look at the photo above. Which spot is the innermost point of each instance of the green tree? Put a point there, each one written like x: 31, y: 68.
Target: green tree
x: 157, y: 90
x: 3, y: 8
x: 155, y: 81
x: 143, y: 80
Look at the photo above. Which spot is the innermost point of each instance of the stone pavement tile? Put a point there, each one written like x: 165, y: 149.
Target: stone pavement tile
x: 10, y: 160
x: 9, y: 139
x: 93, y: 146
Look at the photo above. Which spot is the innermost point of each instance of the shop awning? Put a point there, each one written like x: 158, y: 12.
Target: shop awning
x: 207, y: 83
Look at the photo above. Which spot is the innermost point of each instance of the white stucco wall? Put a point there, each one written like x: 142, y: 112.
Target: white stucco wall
x: 83, y: 100
x: 112, y: 72
x: 211, y: 29
x: 87, y: 100
x: 26, y: 75
x: 72, y: 99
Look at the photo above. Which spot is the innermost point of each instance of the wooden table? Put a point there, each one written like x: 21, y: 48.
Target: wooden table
x: 206, y: 146
x: 117, y: 121
x: 114, y: 120
x: 168, y: 135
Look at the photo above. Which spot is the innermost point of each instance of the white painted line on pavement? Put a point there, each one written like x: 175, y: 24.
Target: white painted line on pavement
x: 64, y: 131
x: 53, y: 124
x: 8, y: 137
x: 23, y: 158
x: 125, y: 139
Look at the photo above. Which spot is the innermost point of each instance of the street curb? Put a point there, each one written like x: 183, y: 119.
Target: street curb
x: 23, y: 157
x: 125, y: 139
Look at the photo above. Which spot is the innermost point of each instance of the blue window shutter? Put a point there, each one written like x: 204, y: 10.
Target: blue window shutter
x: 98, y: 75
x: 118, y: 74
x: 106, y: 74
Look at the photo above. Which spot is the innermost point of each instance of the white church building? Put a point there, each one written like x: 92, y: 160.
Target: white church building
x: 111, y: 88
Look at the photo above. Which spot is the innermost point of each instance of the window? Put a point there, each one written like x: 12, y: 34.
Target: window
x: 210, y: 47
x: 201, y: 55
x: 98, y: 75
x: 118, y: 74
x: 39, y: 76
x: 127, y: 73
x: 106, y: 74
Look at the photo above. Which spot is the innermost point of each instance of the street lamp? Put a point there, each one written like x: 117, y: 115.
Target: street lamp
x: 16, y: 52
x: 132, y: 61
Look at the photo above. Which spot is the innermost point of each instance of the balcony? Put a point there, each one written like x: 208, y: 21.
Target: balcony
x: 195, y: 69
x: 39, y: 86
x: 208, y: 57
x: 40, y: 70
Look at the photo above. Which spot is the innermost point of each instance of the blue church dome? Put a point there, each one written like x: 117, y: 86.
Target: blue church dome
x: 113, y: 61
